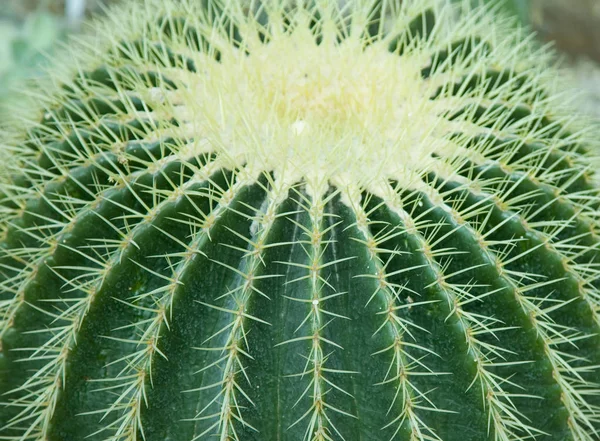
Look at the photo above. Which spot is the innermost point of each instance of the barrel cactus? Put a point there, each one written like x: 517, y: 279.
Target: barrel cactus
x: 300, y: 221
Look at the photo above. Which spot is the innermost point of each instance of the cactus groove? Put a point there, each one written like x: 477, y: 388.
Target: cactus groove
x: 300, y: 222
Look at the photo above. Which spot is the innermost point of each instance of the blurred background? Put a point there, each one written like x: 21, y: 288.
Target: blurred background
x: 31, y: 29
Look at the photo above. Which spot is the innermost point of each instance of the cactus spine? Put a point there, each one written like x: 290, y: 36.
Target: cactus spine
x: 375, y: 221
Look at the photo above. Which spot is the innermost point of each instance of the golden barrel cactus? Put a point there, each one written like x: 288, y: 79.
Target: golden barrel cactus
x: 300, y: 221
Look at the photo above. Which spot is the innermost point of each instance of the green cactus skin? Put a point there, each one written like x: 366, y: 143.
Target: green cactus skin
x: 300, y: 224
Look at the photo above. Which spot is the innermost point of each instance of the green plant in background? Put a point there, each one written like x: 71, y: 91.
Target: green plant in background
x: 300, y: 223
x: 22, y: 49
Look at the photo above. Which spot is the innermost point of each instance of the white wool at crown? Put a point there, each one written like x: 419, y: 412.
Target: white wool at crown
x: 329, y: 112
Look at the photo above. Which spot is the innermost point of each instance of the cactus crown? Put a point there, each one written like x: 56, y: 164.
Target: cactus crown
x: 298, y: 221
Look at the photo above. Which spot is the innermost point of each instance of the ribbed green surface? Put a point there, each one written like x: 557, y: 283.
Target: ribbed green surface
x: 150, y: 295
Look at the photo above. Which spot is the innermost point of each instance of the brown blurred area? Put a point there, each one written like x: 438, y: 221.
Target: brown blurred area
x: 574, y: 25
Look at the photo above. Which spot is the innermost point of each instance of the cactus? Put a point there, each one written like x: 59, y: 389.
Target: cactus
x: 300, y: 222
